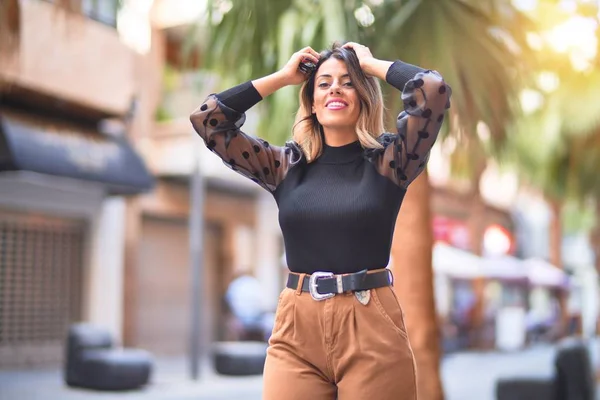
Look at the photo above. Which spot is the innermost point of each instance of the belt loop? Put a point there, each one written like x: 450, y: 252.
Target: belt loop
x: 300, y: 283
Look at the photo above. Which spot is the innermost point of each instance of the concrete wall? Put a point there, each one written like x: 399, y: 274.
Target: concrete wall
x: 68, y: 56
x: 103, y: 263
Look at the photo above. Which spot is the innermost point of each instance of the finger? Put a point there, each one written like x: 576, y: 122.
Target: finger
x: 356, y: 46
x: 309, y: 56
x: 351, y: 45
x: 310, y: 50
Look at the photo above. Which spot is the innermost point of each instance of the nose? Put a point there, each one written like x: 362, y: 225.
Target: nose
x: 335, y: 88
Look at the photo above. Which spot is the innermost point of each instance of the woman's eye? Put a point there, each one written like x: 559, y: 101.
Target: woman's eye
x: 349, y: 84
x: 323, y: 84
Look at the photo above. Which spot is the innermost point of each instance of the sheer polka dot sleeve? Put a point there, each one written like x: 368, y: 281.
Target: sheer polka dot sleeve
x: 219, y: 126
x: 426, y: 97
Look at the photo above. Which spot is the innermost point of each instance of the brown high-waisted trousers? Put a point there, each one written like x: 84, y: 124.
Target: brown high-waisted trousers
x: 339, y: 348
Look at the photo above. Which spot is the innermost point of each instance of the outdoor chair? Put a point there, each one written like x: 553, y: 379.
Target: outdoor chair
x: 93, y: 362
x: 240, y: 358
x: 573, y: 378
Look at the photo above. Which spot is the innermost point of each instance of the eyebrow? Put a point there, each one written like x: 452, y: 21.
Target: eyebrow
x: 329, y: 76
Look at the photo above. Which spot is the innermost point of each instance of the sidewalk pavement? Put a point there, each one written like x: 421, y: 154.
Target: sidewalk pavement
x: 169, y: 381
x: 465, y: 376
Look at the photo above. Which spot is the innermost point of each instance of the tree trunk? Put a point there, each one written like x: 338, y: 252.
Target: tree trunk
x: 476, y: 224
x: 555, y: 233
x: 476, y: 220
x: 10, y: 26
x: 595, y: 238
x: 555, y: 239
x: 412, y: 265
x: 595, y: 244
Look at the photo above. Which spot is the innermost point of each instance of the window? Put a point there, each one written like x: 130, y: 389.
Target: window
x: 104, y: 11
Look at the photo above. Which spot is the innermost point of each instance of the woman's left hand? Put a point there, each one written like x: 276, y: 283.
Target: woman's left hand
x: 363, y: 53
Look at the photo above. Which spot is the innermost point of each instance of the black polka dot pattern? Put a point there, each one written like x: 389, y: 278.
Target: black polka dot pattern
x: 425, y: 99
x: 359, y: 185
x: 401, y: 174
x: 252, y: 157
x: 401, y: 156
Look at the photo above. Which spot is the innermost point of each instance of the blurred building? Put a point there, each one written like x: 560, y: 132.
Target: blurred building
x: 240, y: 228
x: 86, y: 231
x: 79, y: 99
x: 67, y: 100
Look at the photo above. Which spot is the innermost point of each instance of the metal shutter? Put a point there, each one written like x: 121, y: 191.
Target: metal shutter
x: 40, y: 287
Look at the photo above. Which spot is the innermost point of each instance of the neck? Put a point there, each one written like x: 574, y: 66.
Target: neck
x: 339, y: 137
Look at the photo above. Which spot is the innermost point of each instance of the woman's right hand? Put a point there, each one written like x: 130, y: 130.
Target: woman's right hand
x: 290, y: 72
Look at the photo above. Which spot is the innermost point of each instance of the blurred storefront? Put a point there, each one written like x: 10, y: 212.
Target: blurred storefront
x: 86, y: 232
x: 65, y: 166
x: 469, y: 232
x: 509, y: 295
x: 453, y: 213
x: 240, y: 228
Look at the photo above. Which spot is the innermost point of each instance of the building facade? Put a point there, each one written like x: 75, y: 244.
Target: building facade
x: 239, y: 226
x: 67, y: 167
x: 97, y: 160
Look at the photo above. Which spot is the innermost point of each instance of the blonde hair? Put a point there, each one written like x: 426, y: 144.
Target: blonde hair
x: 307, y: 130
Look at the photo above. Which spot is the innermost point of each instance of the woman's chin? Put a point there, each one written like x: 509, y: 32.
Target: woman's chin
x: 338, y: 123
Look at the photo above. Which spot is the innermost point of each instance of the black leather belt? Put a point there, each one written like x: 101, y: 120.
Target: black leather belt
x: 323, y: 285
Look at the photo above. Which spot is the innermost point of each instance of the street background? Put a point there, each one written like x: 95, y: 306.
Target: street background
x: 465, y: 376
x: 115, y: 215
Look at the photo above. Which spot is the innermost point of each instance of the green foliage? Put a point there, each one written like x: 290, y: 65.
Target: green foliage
x: 467, y: 44
x: 578, y: 217
x: 256, y: 37
x: 162, y: 115
x: 557, y: 148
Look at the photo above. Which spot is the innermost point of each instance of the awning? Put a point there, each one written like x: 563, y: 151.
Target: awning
x: 48, y: 146
x: 504, y: 268
x: 455, y: 262
x: 542, y: 273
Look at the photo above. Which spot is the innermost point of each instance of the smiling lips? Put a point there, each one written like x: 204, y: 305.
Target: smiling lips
x: 336, y: 104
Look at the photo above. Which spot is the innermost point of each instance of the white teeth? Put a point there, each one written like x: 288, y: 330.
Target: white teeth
x: 335, y: 104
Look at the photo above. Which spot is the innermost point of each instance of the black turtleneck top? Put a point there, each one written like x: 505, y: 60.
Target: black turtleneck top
x: 337, y: 213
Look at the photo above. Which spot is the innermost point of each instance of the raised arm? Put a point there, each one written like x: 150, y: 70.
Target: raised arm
x: 218, y: 121
x: 426, y: 97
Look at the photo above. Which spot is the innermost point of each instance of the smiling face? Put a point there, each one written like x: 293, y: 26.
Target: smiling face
x: 336, y: 102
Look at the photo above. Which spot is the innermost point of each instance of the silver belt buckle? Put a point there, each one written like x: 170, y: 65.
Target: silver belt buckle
x: 313, y: 283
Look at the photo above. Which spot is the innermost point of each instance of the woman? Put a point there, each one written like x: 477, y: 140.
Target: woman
x: 339, y: 330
